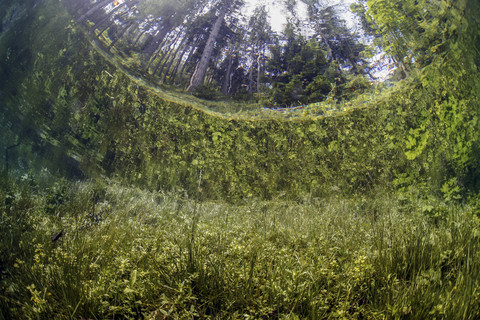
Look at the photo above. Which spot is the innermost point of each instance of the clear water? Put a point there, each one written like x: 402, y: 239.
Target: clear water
x: 65, y: 64
x: 326, y: 168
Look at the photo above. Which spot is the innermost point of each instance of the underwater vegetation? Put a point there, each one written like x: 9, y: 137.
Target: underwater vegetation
x: 123, y: 198
x: 101, y: 250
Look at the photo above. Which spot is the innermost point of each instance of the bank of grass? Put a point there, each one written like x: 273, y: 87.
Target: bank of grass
x: 98, y: 250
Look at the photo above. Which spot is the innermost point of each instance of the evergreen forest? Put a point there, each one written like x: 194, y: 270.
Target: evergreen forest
x: 237, y: 159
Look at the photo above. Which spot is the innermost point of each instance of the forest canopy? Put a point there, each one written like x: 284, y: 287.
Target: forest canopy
x: 273, y: 54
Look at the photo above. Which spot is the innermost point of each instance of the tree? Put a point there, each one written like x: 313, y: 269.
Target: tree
x: 299, y: 71
x: 341, y: 43
x: 198, y: 76
x: 412, y: 31
x: 200, y: 71
x: 260, y: 36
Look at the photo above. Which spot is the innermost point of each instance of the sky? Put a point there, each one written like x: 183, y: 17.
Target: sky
x: 278, y: 19
x: 278, y: 13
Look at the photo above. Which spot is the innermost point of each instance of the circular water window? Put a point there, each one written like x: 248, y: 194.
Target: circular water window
x: 234, y: 55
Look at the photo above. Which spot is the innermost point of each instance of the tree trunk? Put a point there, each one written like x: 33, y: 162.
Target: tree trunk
x: 153, y: 46
x: 96, y: 7
x: 173, y: 73
x: 325, y: 42
x: 106, y: 17
x: 404, y: 69
x: 198, y: 76
x: 226, y: 81
x: 120, y: 34
x: 167, y: 54
x: 75, y: 7
x: 96, y: 16
x: 259, y: 71
x: 187, y: 61
x: 166, y: 66
x: 250, y: 77
x: 110, y: 23
x: 141, y: 34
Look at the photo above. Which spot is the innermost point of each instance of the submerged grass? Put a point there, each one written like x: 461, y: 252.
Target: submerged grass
x: 91, y: 250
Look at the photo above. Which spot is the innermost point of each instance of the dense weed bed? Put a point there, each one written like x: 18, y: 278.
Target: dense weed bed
x: 94, y: 250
